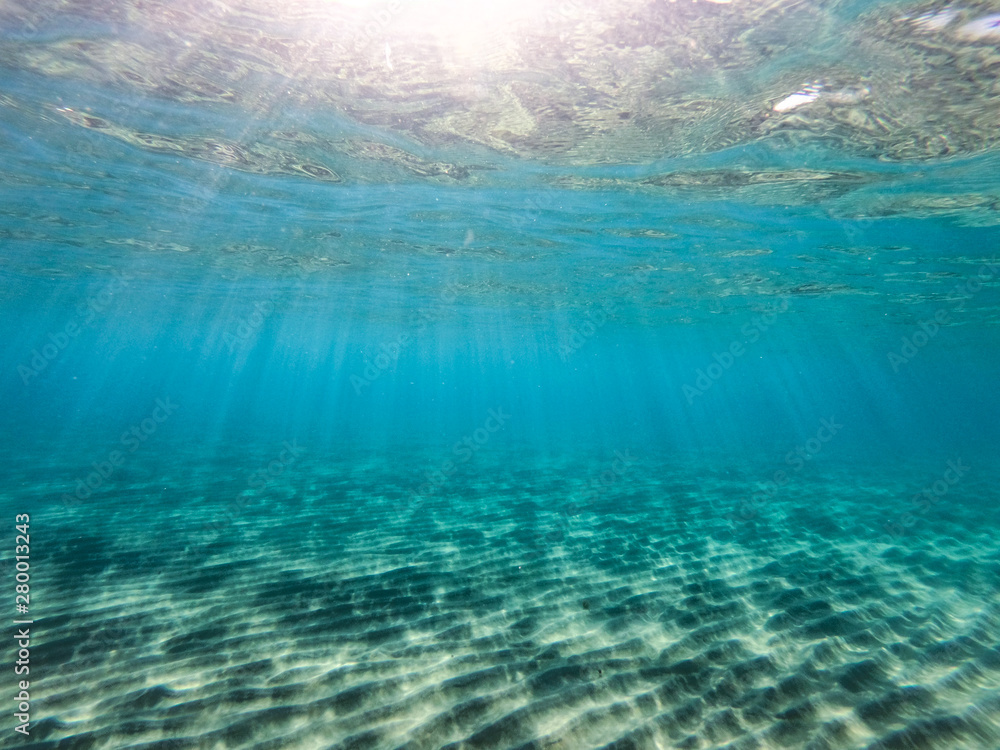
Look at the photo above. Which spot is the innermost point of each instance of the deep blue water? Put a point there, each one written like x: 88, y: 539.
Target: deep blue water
x: 386, y: 388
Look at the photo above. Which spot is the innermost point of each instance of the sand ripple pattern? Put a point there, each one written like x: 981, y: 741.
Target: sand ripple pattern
x: 344, y: 616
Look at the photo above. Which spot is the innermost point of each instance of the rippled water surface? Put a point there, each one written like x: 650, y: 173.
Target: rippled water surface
x: 526, y: 375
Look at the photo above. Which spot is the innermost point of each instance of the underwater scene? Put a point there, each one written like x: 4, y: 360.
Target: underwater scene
x: 563, y: 374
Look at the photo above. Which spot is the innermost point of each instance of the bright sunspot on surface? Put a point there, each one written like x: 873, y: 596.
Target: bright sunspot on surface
x: 570, y: 374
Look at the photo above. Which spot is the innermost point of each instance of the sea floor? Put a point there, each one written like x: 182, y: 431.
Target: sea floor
x: 516, y: 606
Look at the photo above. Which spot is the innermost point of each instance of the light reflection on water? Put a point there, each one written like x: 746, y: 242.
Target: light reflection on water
x: 343, y: 238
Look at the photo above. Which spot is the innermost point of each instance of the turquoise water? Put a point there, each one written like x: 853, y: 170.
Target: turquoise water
x: 550, y: 376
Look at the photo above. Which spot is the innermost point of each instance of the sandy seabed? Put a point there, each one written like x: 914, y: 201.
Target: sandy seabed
x: 331, y: 611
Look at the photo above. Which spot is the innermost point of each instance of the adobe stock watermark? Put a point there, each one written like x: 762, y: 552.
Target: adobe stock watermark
x: 597, y: 487
x: 600, y: 483
x: 377, y: 22
x: 131, y: 439
x: 258, y: 480
x: 389, y: 351
x: 247, y: 328
x: 796, y: 459
x: 582, y: 333
x: 724, y: 360
x: 928, y: 329
x: 463, y: 450
x: 86, y: 313
x: 924, y: 500
x: 532, y: 207
x: 32, y: 24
